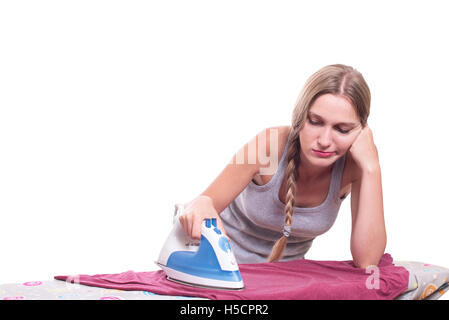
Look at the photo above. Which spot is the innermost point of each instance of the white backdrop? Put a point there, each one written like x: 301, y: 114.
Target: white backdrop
x: 113, y: 111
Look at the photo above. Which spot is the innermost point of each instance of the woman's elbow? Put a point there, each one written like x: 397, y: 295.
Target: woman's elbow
x: 366, y: 258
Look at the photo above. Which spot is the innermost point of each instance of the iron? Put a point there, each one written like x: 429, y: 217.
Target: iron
x: 208, y: 263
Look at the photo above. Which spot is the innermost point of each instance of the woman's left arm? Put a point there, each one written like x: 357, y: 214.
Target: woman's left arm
x: 368, y: 236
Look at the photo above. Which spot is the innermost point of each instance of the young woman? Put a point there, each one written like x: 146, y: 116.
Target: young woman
x: 326, y: 153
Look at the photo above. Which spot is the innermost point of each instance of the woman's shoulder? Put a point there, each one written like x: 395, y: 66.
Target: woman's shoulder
x: 275, y: 141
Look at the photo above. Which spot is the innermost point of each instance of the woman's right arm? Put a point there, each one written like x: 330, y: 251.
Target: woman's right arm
x: 230, y: 182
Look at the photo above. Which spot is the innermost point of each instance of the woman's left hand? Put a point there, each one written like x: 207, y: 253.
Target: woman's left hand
x: 364, y: 151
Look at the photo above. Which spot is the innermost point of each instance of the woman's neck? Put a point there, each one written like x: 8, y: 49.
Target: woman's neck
x: 309, y: 173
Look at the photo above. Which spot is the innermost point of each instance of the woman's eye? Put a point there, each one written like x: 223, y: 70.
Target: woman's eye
x: 343, y: 131
x: 316, y: 123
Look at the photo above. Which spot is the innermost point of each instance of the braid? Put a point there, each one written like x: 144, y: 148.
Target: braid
x: 292, y: 176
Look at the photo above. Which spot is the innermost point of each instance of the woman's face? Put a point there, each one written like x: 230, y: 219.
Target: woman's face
x: 332, y: 125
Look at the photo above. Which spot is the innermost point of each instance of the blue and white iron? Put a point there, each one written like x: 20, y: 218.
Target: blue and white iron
x: 209, y: 262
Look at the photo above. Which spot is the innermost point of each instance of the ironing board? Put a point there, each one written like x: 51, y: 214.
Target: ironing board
x: 426, y: 281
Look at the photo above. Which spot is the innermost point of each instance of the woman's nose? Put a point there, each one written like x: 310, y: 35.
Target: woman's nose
x: 324, y: 139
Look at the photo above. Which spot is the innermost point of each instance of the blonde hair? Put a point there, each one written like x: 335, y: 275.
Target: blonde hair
x: 336, y: 79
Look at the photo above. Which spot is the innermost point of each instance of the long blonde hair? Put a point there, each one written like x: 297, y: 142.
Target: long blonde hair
x: 335, y: 79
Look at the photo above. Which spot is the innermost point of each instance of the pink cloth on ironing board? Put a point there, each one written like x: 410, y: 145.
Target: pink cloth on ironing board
x: 286, y: 280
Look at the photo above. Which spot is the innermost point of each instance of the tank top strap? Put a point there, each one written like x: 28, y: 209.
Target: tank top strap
x: 280, y: 172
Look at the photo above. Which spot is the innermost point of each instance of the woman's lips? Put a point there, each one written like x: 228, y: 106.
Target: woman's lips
x: 322, y: 154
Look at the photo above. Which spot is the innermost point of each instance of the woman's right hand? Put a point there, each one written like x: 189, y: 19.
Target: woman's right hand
x: 195, y: 212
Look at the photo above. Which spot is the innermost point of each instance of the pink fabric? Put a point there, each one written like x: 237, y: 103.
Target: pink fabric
x: 289, y: 280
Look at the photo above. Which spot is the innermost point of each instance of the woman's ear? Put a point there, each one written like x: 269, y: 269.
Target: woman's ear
x: 364, y: 125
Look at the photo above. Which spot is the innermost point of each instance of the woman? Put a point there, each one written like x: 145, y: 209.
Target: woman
x: 327, y: 153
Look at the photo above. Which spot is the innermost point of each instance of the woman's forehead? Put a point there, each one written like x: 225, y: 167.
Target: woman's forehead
x: 335, y: 109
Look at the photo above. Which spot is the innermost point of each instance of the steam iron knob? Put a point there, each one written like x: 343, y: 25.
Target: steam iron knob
x: 224, y: 245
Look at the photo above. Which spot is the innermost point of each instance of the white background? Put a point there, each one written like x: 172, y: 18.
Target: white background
x: 113, y: 111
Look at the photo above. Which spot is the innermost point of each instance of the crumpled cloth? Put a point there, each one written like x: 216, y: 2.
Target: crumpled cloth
x: 286, y: 280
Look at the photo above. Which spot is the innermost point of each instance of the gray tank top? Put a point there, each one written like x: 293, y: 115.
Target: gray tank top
x: 254, y: 220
